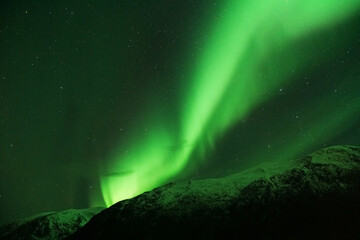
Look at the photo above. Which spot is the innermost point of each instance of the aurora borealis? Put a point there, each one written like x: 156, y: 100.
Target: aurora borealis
x: 102, y: 101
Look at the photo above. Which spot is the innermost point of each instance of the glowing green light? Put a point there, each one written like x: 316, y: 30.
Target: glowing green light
x: 226, y: 85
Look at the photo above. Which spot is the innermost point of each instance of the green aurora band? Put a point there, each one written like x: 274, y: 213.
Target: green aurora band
x: 249, y: 53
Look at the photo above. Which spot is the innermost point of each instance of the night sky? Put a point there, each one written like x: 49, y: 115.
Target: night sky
x: 103, y: 100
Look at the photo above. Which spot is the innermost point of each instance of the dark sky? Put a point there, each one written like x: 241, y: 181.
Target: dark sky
x: 82, y: 82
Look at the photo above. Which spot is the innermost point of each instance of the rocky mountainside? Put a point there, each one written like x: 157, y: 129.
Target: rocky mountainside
x: 315, y: 197
x: 53, y: 225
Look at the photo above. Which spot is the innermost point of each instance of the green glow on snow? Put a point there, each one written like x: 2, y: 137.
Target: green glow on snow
x: 226, y: 85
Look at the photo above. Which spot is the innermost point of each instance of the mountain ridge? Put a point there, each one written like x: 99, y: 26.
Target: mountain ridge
x: 313, y: 197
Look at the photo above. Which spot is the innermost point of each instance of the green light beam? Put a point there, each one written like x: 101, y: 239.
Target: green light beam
x: 225, y: 86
